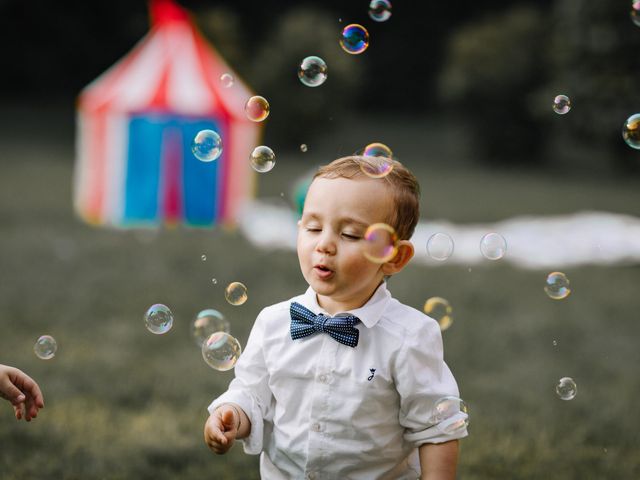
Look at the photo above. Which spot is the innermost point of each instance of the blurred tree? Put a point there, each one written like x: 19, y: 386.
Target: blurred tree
x: 489, y: 73
x: 592, y: 56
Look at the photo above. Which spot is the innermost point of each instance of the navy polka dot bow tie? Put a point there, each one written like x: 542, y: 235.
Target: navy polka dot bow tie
x: 304, y: 323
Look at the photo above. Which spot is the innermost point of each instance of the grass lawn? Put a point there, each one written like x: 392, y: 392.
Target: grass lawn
x: 123, y: 403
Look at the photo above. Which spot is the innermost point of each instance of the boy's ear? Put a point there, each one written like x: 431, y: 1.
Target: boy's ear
x: 402, y: 257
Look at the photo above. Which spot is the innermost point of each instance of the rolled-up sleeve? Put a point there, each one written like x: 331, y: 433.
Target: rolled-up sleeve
x: 422, y: 378
x: 250, y: 388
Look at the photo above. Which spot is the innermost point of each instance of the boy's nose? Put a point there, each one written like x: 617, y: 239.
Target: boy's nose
x: 326, y: 245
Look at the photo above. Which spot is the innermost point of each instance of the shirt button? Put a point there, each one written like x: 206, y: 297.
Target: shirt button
x: 323, y: 378
x: 311, y: 476
x: 316, y: 427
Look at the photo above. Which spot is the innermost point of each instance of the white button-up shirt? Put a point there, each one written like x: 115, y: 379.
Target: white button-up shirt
x: 321, y: 409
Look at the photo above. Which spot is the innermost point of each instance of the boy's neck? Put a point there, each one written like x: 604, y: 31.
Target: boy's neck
x: 333, y: 306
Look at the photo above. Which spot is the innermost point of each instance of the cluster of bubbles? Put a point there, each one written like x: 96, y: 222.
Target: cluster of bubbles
x: 450, y: 414
x: 557, y: 286
x: 440, y: 310
x: 566, y: 388
x: 380, y: 243
x: 158, y: 319
x: 631, y: 130
x: 354, y: 39
x: 262, y: 159
x: 45, y: 347
x: 561, y: 104
x: 380, y: 10
x: 236, y: 293
x: 440, y: 246
x: 312, y: 71
x: 207, y: 145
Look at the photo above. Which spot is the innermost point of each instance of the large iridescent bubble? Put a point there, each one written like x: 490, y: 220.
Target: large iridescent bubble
x: 380, y: 10
x: 312, y: 71
x: 631, y: 131
x: 206, y: 145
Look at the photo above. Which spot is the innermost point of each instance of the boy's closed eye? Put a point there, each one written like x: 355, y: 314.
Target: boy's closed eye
x: 351, y: 236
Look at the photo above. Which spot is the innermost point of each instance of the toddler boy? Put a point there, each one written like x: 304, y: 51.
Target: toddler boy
x: 341, y: 381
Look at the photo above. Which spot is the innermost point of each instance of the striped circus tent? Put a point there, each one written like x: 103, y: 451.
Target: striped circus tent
x: 134, y: 165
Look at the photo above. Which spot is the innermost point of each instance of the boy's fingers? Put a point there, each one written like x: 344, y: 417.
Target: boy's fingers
x: 12, y: 393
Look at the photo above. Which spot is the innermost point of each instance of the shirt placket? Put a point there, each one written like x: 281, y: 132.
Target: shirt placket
x: 317, y: 454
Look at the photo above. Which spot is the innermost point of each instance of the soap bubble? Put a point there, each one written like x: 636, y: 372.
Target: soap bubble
x: 493, y: 246
x: 631, y: 131
x: 257, y: 108
x: 376, y: 167
x: 355, y: 39
x: 206, y: 145
x: 380, y: 243
x: 206, y: 323
x: 566, y: 388
x: 203, y: 258
x: 236, y: 293
x: 227, y: 80
x: 380, y: 10
x: 635, y: 13
x: 312, y: 71
x: 158, y: 319
x: 440, y: 310
x: 557, y: 286
x: 221, y: 351
x: 304, y: 148
x: 377, y: 149
x: 262, y: 159
x: 561, y: 104
x: 440, y: 246
x: 450, y: 414
x: 214, y: 281
x: 45, y: 347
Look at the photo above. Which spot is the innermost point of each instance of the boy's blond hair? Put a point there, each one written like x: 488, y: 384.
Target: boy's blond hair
x: 404, y: 187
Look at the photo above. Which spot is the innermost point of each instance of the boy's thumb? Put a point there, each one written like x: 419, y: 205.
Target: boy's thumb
x: 228, y: 418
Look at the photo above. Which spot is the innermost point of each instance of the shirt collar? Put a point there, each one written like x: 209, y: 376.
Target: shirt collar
x: 369, y: 314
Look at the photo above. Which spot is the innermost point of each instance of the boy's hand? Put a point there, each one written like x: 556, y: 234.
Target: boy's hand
x: 22, y: 391
x: 221, y: 429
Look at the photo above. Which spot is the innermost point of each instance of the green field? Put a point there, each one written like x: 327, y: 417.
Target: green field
x: 122, y: 403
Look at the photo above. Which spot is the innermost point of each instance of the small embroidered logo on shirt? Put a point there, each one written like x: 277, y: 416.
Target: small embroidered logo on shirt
x: 373, y: 372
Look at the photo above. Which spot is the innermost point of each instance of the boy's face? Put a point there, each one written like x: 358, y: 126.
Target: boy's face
x: 336, y: 215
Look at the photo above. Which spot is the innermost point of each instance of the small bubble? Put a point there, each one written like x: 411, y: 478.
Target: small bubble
x: 440, y: 310
x: 557, y: 286
x: 380, y: 10
x: 566, y: 388
x: 561, y: 104
x: 635, y: 12
x: 45, y: 347
x: 493, y: 246
x: 236, y: 293
x: 631, y: 131
x: 206, y: 323
x: 203, y: 258
x: 262, y: 159
x: 304, y: 148
x: 158, y: 319
x: 221, y: 351
x: 227, y: 80
x: 206, y: 145
x: 440, y: 246
x: 257, y: 108
x: 555, y: 343
x: 214, y: 281
x: 450, y: 414
x: 379, y: 244
x: 355, y: 39
x: 312, y: 71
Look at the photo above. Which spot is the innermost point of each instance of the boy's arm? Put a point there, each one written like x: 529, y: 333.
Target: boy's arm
x: 438, y: 461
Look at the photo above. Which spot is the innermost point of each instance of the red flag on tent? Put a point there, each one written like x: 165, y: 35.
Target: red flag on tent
x: 136, y: 122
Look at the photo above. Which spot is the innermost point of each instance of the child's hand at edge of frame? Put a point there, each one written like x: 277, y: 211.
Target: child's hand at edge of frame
x: 221, y: 429
x: 21, y: 391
